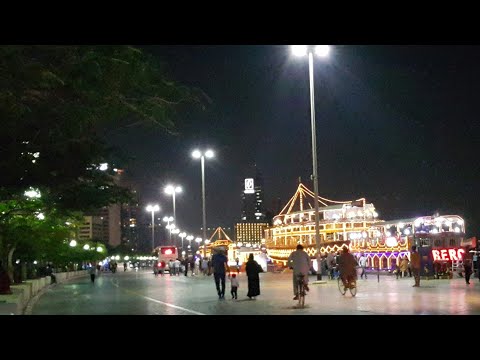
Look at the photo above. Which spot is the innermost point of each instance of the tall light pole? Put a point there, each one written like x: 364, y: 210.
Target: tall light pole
x: 175, y: 231
x: 322, y: 51
x: 168, y: 219
x: 182, y: 235
x: 171, y: 190
x: 189, y: 238
x: 153, y: 209
x: 197, y: 154
x: 198, y: 240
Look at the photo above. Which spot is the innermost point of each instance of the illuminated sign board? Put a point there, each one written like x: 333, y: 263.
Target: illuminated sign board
x: 448, y: 254
x: 249, y: 188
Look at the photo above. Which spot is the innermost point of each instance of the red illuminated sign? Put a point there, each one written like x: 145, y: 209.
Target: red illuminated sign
x: 167, y: 250
x: 450, y: 254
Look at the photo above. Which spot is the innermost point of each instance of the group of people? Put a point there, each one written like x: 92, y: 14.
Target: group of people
x: 220, y: 268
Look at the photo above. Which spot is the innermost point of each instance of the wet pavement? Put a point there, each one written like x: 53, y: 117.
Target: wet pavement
x: 141, y: 293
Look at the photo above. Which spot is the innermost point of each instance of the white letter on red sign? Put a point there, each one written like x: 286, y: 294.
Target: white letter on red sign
x: 453, y: 254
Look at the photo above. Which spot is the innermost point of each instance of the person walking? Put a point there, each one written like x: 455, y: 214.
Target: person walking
x: 415, y: 264
x: 92, y: 271
x: 252, y: 268
x: 467, y: 264
x: 220, y: 267
x: 363, y: 265
x: 234, y: 286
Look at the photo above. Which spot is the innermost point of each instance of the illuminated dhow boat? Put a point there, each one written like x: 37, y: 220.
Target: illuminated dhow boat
x: 340, y: 222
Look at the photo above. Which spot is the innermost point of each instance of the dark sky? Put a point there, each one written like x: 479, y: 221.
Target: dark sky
x: 395, y: 124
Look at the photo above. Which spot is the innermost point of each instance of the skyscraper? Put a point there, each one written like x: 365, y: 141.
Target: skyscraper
x: 253, y: 221
x: 253, y: 208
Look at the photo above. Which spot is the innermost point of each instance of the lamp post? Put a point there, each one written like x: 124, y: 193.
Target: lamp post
x: 175, y: 231
x: 322, y: 51
x: 189, y: 238
x: 182, y: 235
x: 198, y: 240
x: 153, y: 209
x: 168, y: 219
x: 205, y: 243
x: 197, y: 154
x: 171, y: 190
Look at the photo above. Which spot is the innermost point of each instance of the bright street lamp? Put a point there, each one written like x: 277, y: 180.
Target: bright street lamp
x: 182, y: 235
x: 189, y: 238
x: 323, y: 51
x: 197, y: 154
x: 198, y: 240
x: 153, y: 209
x: 174, y: 230
x: 168, y: 219
x: 171, y: 190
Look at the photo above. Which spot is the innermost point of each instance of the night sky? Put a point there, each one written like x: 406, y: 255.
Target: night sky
x: 395, y: 124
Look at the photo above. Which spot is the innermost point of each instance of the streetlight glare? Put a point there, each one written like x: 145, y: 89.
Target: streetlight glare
x: 196, y: 154
x: 153, y: 208
x: 322, y: 50
x: 299, y: 50
x: 170, y: 189
x: 209, y: 153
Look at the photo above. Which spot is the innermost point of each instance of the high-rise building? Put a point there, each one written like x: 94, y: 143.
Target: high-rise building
x: 114, y: 224
x: 130, y: 226
x: 91, y: 229
x: 253, y: 208
x: 253, y: 221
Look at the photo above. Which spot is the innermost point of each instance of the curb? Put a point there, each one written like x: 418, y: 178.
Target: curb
x: 31, y: 302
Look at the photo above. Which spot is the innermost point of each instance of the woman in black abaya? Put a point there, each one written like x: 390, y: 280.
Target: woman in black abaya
x: 252, y: 269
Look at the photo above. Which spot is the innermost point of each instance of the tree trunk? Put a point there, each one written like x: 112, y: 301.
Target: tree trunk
x: 10, y: 263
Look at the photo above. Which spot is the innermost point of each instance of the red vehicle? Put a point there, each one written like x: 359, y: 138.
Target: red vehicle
x: 165, y: 254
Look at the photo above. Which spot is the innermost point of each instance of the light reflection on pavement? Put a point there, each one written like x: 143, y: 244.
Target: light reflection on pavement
x: 140, y: 293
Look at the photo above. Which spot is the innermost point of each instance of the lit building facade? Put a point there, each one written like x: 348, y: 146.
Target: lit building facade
x: 355, y: 224
x: 253, y: 207
x: 250, y: 233
x: 91, y: 229
x: 129, y: 226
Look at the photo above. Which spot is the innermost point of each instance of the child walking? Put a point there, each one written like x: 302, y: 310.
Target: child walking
x: 235, y: 285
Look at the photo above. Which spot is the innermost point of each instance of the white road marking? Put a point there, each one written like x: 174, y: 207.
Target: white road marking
x: 160, y: 302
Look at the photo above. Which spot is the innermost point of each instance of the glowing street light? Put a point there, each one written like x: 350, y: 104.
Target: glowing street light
x: 168, y: 219
x: 197, y: 154
x: 171, y: 190
x: 189, y: 238
x: 153, y: 209
x: 182, y: 235
x: 322, y: 51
